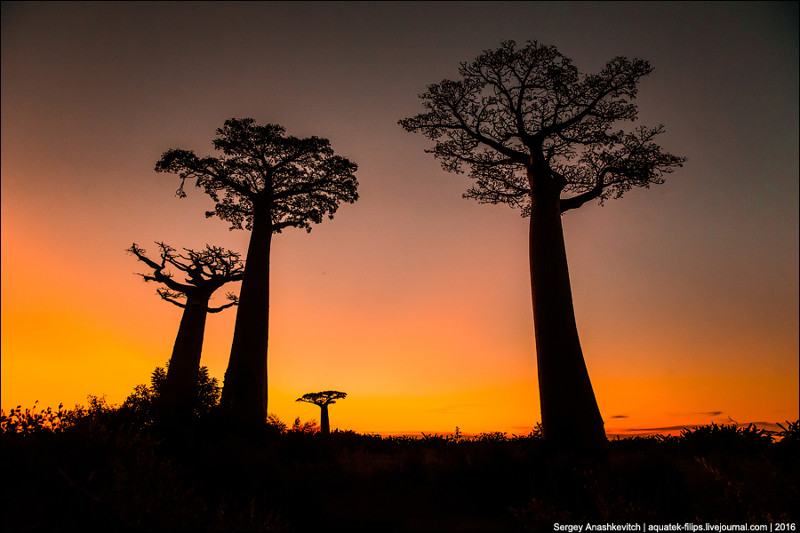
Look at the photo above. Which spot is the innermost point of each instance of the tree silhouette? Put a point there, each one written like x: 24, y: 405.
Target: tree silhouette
x: 205, y: 271
x: 537, y: 135
x: 265, y: 181
x: 323, y: 400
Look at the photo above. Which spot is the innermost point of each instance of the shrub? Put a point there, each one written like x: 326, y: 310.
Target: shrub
x: 790, y: 433
x: 30, y: 421
x: 141, y: 405
x: 305, y: 428
x: 703, y: 439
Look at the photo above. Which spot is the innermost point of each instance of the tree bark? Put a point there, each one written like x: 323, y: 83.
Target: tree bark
x: 179, y: 391
x: 324, y: 424
x: 244, y: 394
x: 570, y: 416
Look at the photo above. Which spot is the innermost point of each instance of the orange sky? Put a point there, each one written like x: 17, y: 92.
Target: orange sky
x: 412, y: 300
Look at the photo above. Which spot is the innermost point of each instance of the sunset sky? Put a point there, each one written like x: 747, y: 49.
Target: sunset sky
x: 414, y: 301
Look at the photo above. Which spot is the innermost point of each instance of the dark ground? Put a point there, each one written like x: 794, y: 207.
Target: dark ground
x: 106, y: 472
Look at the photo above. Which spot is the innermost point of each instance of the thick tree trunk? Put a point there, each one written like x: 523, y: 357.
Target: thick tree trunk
x: 324, y: 424
x: 570, y: 416
x: 244, y: 394
x: 179, y: 391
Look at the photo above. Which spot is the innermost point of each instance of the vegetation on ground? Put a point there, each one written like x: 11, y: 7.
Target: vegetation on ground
x: 119, y: 468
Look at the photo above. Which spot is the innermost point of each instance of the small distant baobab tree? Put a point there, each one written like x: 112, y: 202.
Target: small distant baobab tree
x: 264, y: 181
x: 323, y: 400
x: 539, y: 136
x: 205, y: 272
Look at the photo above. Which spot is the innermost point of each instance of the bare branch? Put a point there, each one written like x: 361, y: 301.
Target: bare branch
x: 234, y: 300
x: 172, y: 297
x: 207, y: 270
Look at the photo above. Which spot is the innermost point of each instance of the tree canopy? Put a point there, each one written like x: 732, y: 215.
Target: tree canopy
x: 322, y: 398
x: 206, y: 271
x: 301, y: 179
x: 524, y: 117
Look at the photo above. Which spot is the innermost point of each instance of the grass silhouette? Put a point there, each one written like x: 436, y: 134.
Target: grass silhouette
x: 107, y: 467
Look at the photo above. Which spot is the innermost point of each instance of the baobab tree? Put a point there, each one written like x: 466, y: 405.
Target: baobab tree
x: 323, y: 400
x: 205, y: 272
x: 539, y: 136
x: 264, y: 181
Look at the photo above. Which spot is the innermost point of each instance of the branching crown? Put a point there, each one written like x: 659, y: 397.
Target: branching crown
x: 299, y: 181
x: 521, y: 118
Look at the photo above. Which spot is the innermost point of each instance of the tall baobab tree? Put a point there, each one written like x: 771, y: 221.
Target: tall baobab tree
x: 264, y: 181
x: 323, y: 400
x: 539, y: 136
x: 205, y: 272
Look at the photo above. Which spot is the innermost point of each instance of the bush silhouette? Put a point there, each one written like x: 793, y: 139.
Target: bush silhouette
x: 91, y: 469
x: 142, y: 405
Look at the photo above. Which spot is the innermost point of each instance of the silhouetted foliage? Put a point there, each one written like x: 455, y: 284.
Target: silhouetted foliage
x: 265, y: 181
x: 523, y: 118
x: 276, y: 423
x: 144, y: 406
x: 790, y: 433
x: 323, y: 400
x: 105, y: 471
x: 539, y: 136
x: 141, y: 403
x: 308, y: 427
x: 749, y: 438
x: 298, y: 426
x: 46, y: 420
x: 205, y: 272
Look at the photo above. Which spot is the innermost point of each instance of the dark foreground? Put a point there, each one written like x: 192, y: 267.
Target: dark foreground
x: 106, y: 471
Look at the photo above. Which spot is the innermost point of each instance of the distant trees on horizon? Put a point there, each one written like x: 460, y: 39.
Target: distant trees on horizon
x: 323, y: 400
